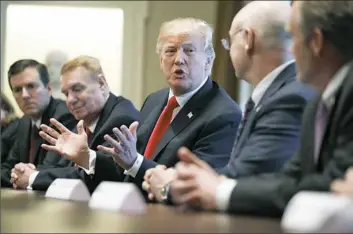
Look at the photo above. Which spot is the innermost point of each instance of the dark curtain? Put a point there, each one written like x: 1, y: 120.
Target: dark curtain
x: 223, y: 72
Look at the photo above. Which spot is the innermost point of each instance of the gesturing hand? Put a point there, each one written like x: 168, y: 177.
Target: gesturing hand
x: 66, y: 143
x: 124, y: 150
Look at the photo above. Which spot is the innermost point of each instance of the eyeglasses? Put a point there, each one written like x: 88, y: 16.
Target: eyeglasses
x: 226, y: 43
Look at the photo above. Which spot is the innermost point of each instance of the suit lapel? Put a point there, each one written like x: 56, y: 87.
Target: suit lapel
x: 308, y: 132
x: 288, y: 73
x: 107, y: 109
x: 186, y: 115
x: 328, y: 143
x: 48, y: 113
x: 281, y: 79
x: 145, y: 129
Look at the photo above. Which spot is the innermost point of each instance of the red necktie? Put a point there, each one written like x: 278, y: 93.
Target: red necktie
x: 89, y: 135
x: 161, y: 126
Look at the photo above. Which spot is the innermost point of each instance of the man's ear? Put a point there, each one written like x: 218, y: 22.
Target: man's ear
x: 249, y: 37
x: 160, y: 62
x: 50, y: 87
x: 208, y: 63
x: 101, y: 80
x: 317, y: 42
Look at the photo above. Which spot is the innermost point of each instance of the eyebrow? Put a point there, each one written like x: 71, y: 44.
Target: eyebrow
x: 71, y: 86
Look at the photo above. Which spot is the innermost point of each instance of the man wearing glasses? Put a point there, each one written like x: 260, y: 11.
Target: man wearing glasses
x: 269, y: 131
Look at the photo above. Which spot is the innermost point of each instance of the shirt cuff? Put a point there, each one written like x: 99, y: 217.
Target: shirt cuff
x: 223, y: 193
x: 31, y: 179
x: 92, y: 163
x: 135, y: 167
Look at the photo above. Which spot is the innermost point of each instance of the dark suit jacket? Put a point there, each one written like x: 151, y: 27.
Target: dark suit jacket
x: 209, y: 133
x: 268, y: 194
x: 116, y: 112
x: 270, y: 136
x: 20, y: 151
x: 8, y: 138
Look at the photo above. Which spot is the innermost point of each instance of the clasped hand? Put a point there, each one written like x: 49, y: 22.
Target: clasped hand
x: 20, y: 175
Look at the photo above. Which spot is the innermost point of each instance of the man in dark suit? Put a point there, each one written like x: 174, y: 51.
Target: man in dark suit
x: 30, y: 85
x: 194, y: 111
x: 269, y: 135
x: 90, y: 101
x: 324, y: 58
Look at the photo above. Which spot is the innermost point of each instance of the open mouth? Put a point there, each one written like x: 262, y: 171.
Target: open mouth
x: 179, y: 72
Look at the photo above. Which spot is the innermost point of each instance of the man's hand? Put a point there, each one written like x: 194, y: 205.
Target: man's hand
x: 195, y: 186
x: 344, y: 187
x: 124, y: 150
x: 20, y: 175
x: 196, y: 182
x: 66, y: 143
x: 155, y: 179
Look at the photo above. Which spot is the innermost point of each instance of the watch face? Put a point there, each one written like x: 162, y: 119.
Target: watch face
x: 164, y: 192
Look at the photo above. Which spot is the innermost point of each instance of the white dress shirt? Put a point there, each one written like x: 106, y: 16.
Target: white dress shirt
x: 225, y: 188
x: 182, y: 100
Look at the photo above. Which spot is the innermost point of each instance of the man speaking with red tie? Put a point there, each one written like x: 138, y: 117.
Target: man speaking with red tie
x: 194, y: 112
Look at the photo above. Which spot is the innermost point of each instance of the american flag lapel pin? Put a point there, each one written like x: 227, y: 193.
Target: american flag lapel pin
x: 190, y: 115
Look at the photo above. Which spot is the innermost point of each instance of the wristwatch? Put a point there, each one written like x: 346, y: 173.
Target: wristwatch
x: 164, y: 192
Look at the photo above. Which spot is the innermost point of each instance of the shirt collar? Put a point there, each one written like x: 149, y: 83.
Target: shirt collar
x: 93, y: 126
x: 328, y: 96
x: 37, y: 122
x: 183, y: 99
x: 266, y: 82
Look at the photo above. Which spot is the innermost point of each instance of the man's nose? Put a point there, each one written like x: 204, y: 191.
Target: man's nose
x: 180, y: 57
x: 71, y: 99
x: 25, y: 93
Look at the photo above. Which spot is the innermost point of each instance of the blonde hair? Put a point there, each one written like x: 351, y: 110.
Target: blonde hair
x: 90, y: 63
x: 188, y: 26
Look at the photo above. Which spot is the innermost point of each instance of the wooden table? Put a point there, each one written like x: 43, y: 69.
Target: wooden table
x: 29, y: 211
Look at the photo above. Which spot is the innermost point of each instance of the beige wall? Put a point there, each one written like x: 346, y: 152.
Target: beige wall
x: 142, y: 78
x: 158, y: 12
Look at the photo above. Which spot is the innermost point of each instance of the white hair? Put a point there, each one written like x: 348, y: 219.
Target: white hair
x: 269, y: 19
x: 188, y: 26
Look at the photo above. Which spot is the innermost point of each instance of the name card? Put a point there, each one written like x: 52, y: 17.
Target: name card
x: 118, y: 197
x: 314, y: 212
x: 68, y: 189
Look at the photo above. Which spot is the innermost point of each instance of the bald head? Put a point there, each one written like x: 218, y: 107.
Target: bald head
x: 268, y: 20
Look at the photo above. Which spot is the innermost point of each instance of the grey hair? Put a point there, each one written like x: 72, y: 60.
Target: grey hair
x: 333, y: 18
x: 189, y: 26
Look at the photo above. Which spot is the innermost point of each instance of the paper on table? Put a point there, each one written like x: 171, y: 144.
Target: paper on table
x: 119, y: 197
x: 68, y: 189
x: 310, y: 211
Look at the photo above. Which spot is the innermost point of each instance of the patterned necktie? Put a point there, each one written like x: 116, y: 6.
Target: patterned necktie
x: 33, y: 144
x: 320, y: 127
x: 248, y: 108
x: 161, y: 127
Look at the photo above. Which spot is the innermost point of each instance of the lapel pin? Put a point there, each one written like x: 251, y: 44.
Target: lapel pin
x: 190, y: 115
x: 258, y: 108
